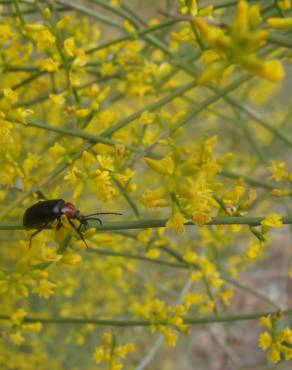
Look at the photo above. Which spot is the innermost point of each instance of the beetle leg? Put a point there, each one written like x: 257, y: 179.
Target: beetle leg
x: 59, y: 224
x: 78, y: 232
x: 36, y: 232
x: 85, y: 224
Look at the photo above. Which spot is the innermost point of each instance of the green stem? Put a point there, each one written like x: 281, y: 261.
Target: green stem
x: 132, y: 323
x: 155, y: 223
x: 280, y: 40
x: 90, y: 12
x: 249, y: 180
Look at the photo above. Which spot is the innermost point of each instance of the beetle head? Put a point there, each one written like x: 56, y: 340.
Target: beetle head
x: 70, y: 210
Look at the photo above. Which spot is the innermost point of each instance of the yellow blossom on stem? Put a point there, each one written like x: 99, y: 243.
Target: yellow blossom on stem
x: 278, y: 170
x: 280, y: 23
x: 17, y: 338
x: 154, y: 198
x: 70, y: 259
x: 128, y: 27
x: 152, y: 253
x: 58, y: 99
x: 254, y: 251
x: 266, y: 322
x: 284, y: 4
x: 176, y: 221
x: 18, y: 316
x: 190, y: 257
x: 69, y: 46
x: 44, y: 289
x: 265, y: 340
x: 163, y: 166
x: 272, y: 220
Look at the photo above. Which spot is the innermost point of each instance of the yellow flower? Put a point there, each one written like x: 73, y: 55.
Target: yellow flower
x: 44, y: 38
x: 10, y: 95
x: 278, y: 170
x: 47, y: 14
x: 108, y: 69
x: 44, y: 289
x: 106, y: 162
x: 201, y: 218
x: 18, y: 316
x: 50, y: 255
x: 107, y: 339
x: 124, y: 349
x: 176, y: 221
x: 193, y: 298
x: 153, y: 198
x: 265, y: 340
x: 17, y: 338
x: 70, y: 259
x: 20, y: 114
x: 254, y: 251
x: 152, y: 253
x: 274, y: 355
x: 81, y: 58
x: 30, y: 163
x: 170, y: 337
x: 164, y: 166
x: 225, y: 296
x: 280, y: 23
x: 146, y: 118
x: 73, y: 175
x: 99, y: 354
x: 128, y: 27
x: 82, y: 112
x: 190, y: 257
x: 64, y: 22
x: 266, y: 322
x: 115, y: 3
x: 49, y: 65
x: 284, y: 4
x: 272, y: 220
x: 57, y: 99
x: 69, y: 46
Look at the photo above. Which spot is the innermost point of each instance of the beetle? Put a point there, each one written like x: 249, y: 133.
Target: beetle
x: 41, y: 214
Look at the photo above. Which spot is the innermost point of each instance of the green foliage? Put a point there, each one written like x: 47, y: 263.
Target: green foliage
x: 175, y: 114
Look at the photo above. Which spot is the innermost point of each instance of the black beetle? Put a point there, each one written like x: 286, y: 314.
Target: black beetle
x: 41, y: 214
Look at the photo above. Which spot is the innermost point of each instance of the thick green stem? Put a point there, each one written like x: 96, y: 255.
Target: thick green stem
x: 131, y: 322
x: 155, y: 223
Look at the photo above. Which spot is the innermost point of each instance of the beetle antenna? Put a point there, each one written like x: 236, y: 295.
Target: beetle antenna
x: 95, y: 219
x: 104, y: 213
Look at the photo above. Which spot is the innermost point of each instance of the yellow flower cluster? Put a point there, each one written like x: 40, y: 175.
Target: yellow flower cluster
x: 238, y: 45
x: 18, y: 327
x: 164, y: 318
x: 21, y: 283
x: 110, y: 353
x: 277, y: 341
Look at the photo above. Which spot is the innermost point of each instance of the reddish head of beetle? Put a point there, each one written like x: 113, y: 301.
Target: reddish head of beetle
x: 69, y: 210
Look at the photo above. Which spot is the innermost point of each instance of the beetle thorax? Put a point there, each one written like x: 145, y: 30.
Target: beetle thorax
x: 69, y: 210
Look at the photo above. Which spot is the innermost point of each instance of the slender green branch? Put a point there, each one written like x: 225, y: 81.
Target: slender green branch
x: 280, y: 40
x: 251, y: 290
x: 136, y: 257
x: 132, y: 323
x: 249, y: 180
x: 90, y: 12
x: 155, y: 223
